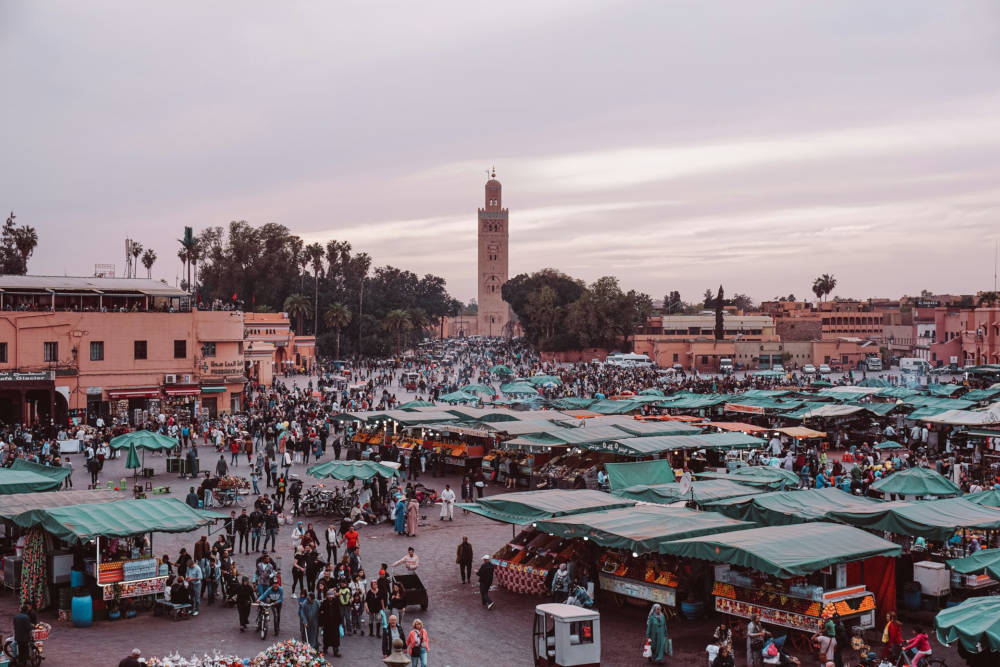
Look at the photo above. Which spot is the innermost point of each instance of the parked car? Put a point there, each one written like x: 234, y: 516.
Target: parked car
x: 823, y: 369
x: 808, y: 369
x: 778, y: 367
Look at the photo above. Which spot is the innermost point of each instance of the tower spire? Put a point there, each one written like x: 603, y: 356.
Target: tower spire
x: 493, y: 172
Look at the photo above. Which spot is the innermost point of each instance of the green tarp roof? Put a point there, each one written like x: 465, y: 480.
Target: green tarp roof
x: 705, y: 491
x: 943, y: 389
x: 640, y: 447
x: 622, y: 475
x: 412, y: 405
x: 931, y: 519
x: 458, y: 397
x: 584, y: 436
x: 873, y: 382
x: 479, y: 389
x: 22, y: 502
x: 764, y: 403
x: 791, y: 507
x: 609, y: 407
x: 760, y: 476
x: 760, y: 393
x: 922, y: 401
x: 121, y: 518
x: 542, y: 380
x: 526, y: 507
x: 573, y: 403
x: 920, y: 413
x: 981, y: 394
x: 975, y: 623
x: 984, y: 561
x: 22, y: 481
x: 693, y: 401
x: 917, y: 481
x: 640, y: 529
x: 52, y: 472
x: 889, y: 445
x: 785, y: 551
x: 519, y: 388
x: 410, y: 417
x: 803, y: 409
x: 651, y: 428
x: 144, y: 440
x: 897, y: 392
x: 988, y: 498
x: 345, y: 470
x: 652, y: 391
x: 880, y: 409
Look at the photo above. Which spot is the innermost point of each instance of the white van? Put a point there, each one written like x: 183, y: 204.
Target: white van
x: 873, y: 363
x: 725, y: 366
x: 914, y: 365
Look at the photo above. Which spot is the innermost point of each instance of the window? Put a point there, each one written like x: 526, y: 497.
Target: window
x: 208, y: 349
x: 180, y: 349
x: 97, y: 350
x: 3, y: 353
x: 50, y: 351
x: 139, y: 349
x: 675, y: 356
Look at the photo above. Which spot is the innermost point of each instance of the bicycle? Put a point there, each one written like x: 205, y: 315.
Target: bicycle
x: 903, y: 660
x: 263, y: 617
x: 39, y: 635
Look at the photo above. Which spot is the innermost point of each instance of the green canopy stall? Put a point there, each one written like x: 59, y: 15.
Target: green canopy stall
x: 931, y: 519
x: 519, y: 388
x: 57, y: 473
x: 545, y: 380
x: 479, y: 389
x: 785, y: 551
x: 641, y: 447
x: 791, y: 507
x: 918, y: 482
x: 889, y: 445
x: 500, y: 369
x: 409, y: 405
x: 150, y: 440
x: 984, y: 561
x: 458, y: 397
x: 526, y: 507
x: 975, y: 624
x: 701, y: 492
x: 989, y: 497
x: 767, y: 477
x: 348, y: 470
x: 622, y: 475
x: 639, y: 529
x: 22, y: 481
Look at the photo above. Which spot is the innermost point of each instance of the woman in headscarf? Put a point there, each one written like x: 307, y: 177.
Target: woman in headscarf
x: 400, y: 516
x: 412, y: 512
x: 656, y: 632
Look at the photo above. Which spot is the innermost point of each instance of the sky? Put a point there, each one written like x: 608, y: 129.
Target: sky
x: 676, y: 145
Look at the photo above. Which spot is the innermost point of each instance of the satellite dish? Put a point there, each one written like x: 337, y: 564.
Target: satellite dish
x: 685, y: 484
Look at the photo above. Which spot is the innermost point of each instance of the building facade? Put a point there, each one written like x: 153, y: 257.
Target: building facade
x: 272, y: 348
x: 493, y: 318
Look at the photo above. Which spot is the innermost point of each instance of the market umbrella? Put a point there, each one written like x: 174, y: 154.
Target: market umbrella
x: 518, y: 388
x: 500, y: 369
x: 917, y: 482
x: 984, y: 561
x: 144, y: 440
x: 458, y: 397
x: 479, y: 389
x: 889, y: 444
x: 347, y: 470
x: 132, y: 460
x: 410, y: 405
x: 975, y: 624
x: 545, y: 380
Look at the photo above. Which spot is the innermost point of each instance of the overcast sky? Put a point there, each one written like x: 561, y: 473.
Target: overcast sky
x: 676, y: 145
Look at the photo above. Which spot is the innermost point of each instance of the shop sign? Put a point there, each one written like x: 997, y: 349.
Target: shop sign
x: 632, y: 588
x: 138, y: 588
x: 224, y: 368
x: 615, y: 447
x: 25, y: 376
x: 95, y: 391
x: 749, y: 409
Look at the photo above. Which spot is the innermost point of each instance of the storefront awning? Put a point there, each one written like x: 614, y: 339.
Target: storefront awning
x: 212, y: 390
x: 640, y: 529
x: 136, y: 392
x: 192, y: 390
x: 121, y: 518
x: 785, y: 551
x: 526, y: 507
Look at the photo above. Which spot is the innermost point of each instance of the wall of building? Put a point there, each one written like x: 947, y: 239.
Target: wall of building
x: 798, y: 328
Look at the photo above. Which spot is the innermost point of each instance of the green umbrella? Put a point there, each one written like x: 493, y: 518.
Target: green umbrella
x: 458, y: 397
x: 889, y: 444
x: 518, y: 388
x: 479, y: 389
x: 132, y: 460
x: 346, y: 470
x: 975, y: 624
x: 501, y: 370
x: 410, y: 405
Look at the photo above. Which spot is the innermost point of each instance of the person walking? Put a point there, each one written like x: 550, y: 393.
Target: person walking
x: 256, y: 525
x: 417, y: 644
x: 271, y: 529
x: 330, y: 619
x: 68, y: 482
x: 331, y: 544
x: 412, y: 514
x: 392, y: 633
x: 400, y: 516
x: 195, y: 575
x: 485, y: 574
x: 447, y: 504
x: 243, y: 529
x: 244, y: 599
x: 411, y: 561
x: 656, y: 633
x: 464, y: 559
x: 375, y: 606
x: 309, y: 616
x: 221, y: 469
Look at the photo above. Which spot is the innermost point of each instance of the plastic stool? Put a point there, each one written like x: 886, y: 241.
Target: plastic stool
x: 149, y: 485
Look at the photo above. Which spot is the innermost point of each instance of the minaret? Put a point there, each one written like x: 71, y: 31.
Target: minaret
x: 494, y: 313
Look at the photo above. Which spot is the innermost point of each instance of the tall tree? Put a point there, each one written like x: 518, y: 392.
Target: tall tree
x: 136, y: 252
x: 707, y: 299
x: 337, y: 316
x: 314, y: 253
x: 397, y: 321
x: 720, y: 324
x: 297, y: 306
x: 148, y: 259
x: 16, y: 246
x: 744, y: 302
x: 824, y: 285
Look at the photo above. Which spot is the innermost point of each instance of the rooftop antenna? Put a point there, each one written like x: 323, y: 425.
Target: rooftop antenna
x: 996, y: 252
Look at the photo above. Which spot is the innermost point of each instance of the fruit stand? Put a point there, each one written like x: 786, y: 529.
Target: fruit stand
x: 643, y: 578
x: 524, y: 562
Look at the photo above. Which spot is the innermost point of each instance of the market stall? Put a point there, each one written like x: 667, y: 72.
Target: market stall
x: 917, y: 482
x: 633, y: 473
x: 154, y: 442
x: 976, y: 572
x: 782, y: 508
x: 23, y: 481
x: 462, y: 447
x: 348, y: 470
x: 766, y: 477
x: 700, y: 492
x: 117, y: 534
x: 975, y: 625
x: 795, y: 576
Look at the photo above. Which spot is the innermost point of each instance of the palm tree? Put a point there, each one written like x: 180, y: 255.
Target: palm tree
x: 297, y: 306
x: 148, y: 259
x: 988, y: 299
x: 136, y: 251
x: 337, y: 316
x: 25, y: 240
x: 315, y: 254
x: 397, y: 321
x: 824, y: 285
x: 419, y: 319
x: 187, y: 253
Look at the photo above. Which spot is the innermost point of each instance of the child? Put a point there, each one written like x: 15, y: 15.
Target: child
x: 357, y: 610
x: 344, y: 597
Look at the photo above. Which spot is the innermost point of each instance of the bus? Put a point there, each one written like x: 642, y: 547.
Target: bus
x: 628, y: 360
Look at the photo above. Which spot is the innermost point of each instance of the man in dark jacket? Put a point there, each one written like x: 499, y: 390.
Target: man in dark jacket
x: 132, y: 660
x: 464, y: 560
x: 485, y: 574
x: 244, y: 598
x: 192, y: 498
x: 330, y: 620
x: 256, y: 526
x: 243, y: 528
x: 23, y: 627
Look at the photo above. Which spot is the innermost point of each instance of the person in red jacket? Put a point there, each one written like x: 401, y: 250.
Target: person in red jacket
x: 893, y: 636
x: 417, y: 644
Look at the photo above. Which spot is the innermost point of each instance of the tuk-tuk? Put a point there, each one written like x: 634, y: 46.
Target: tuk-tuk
x: 566, y: 636
x: 411, y: 381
